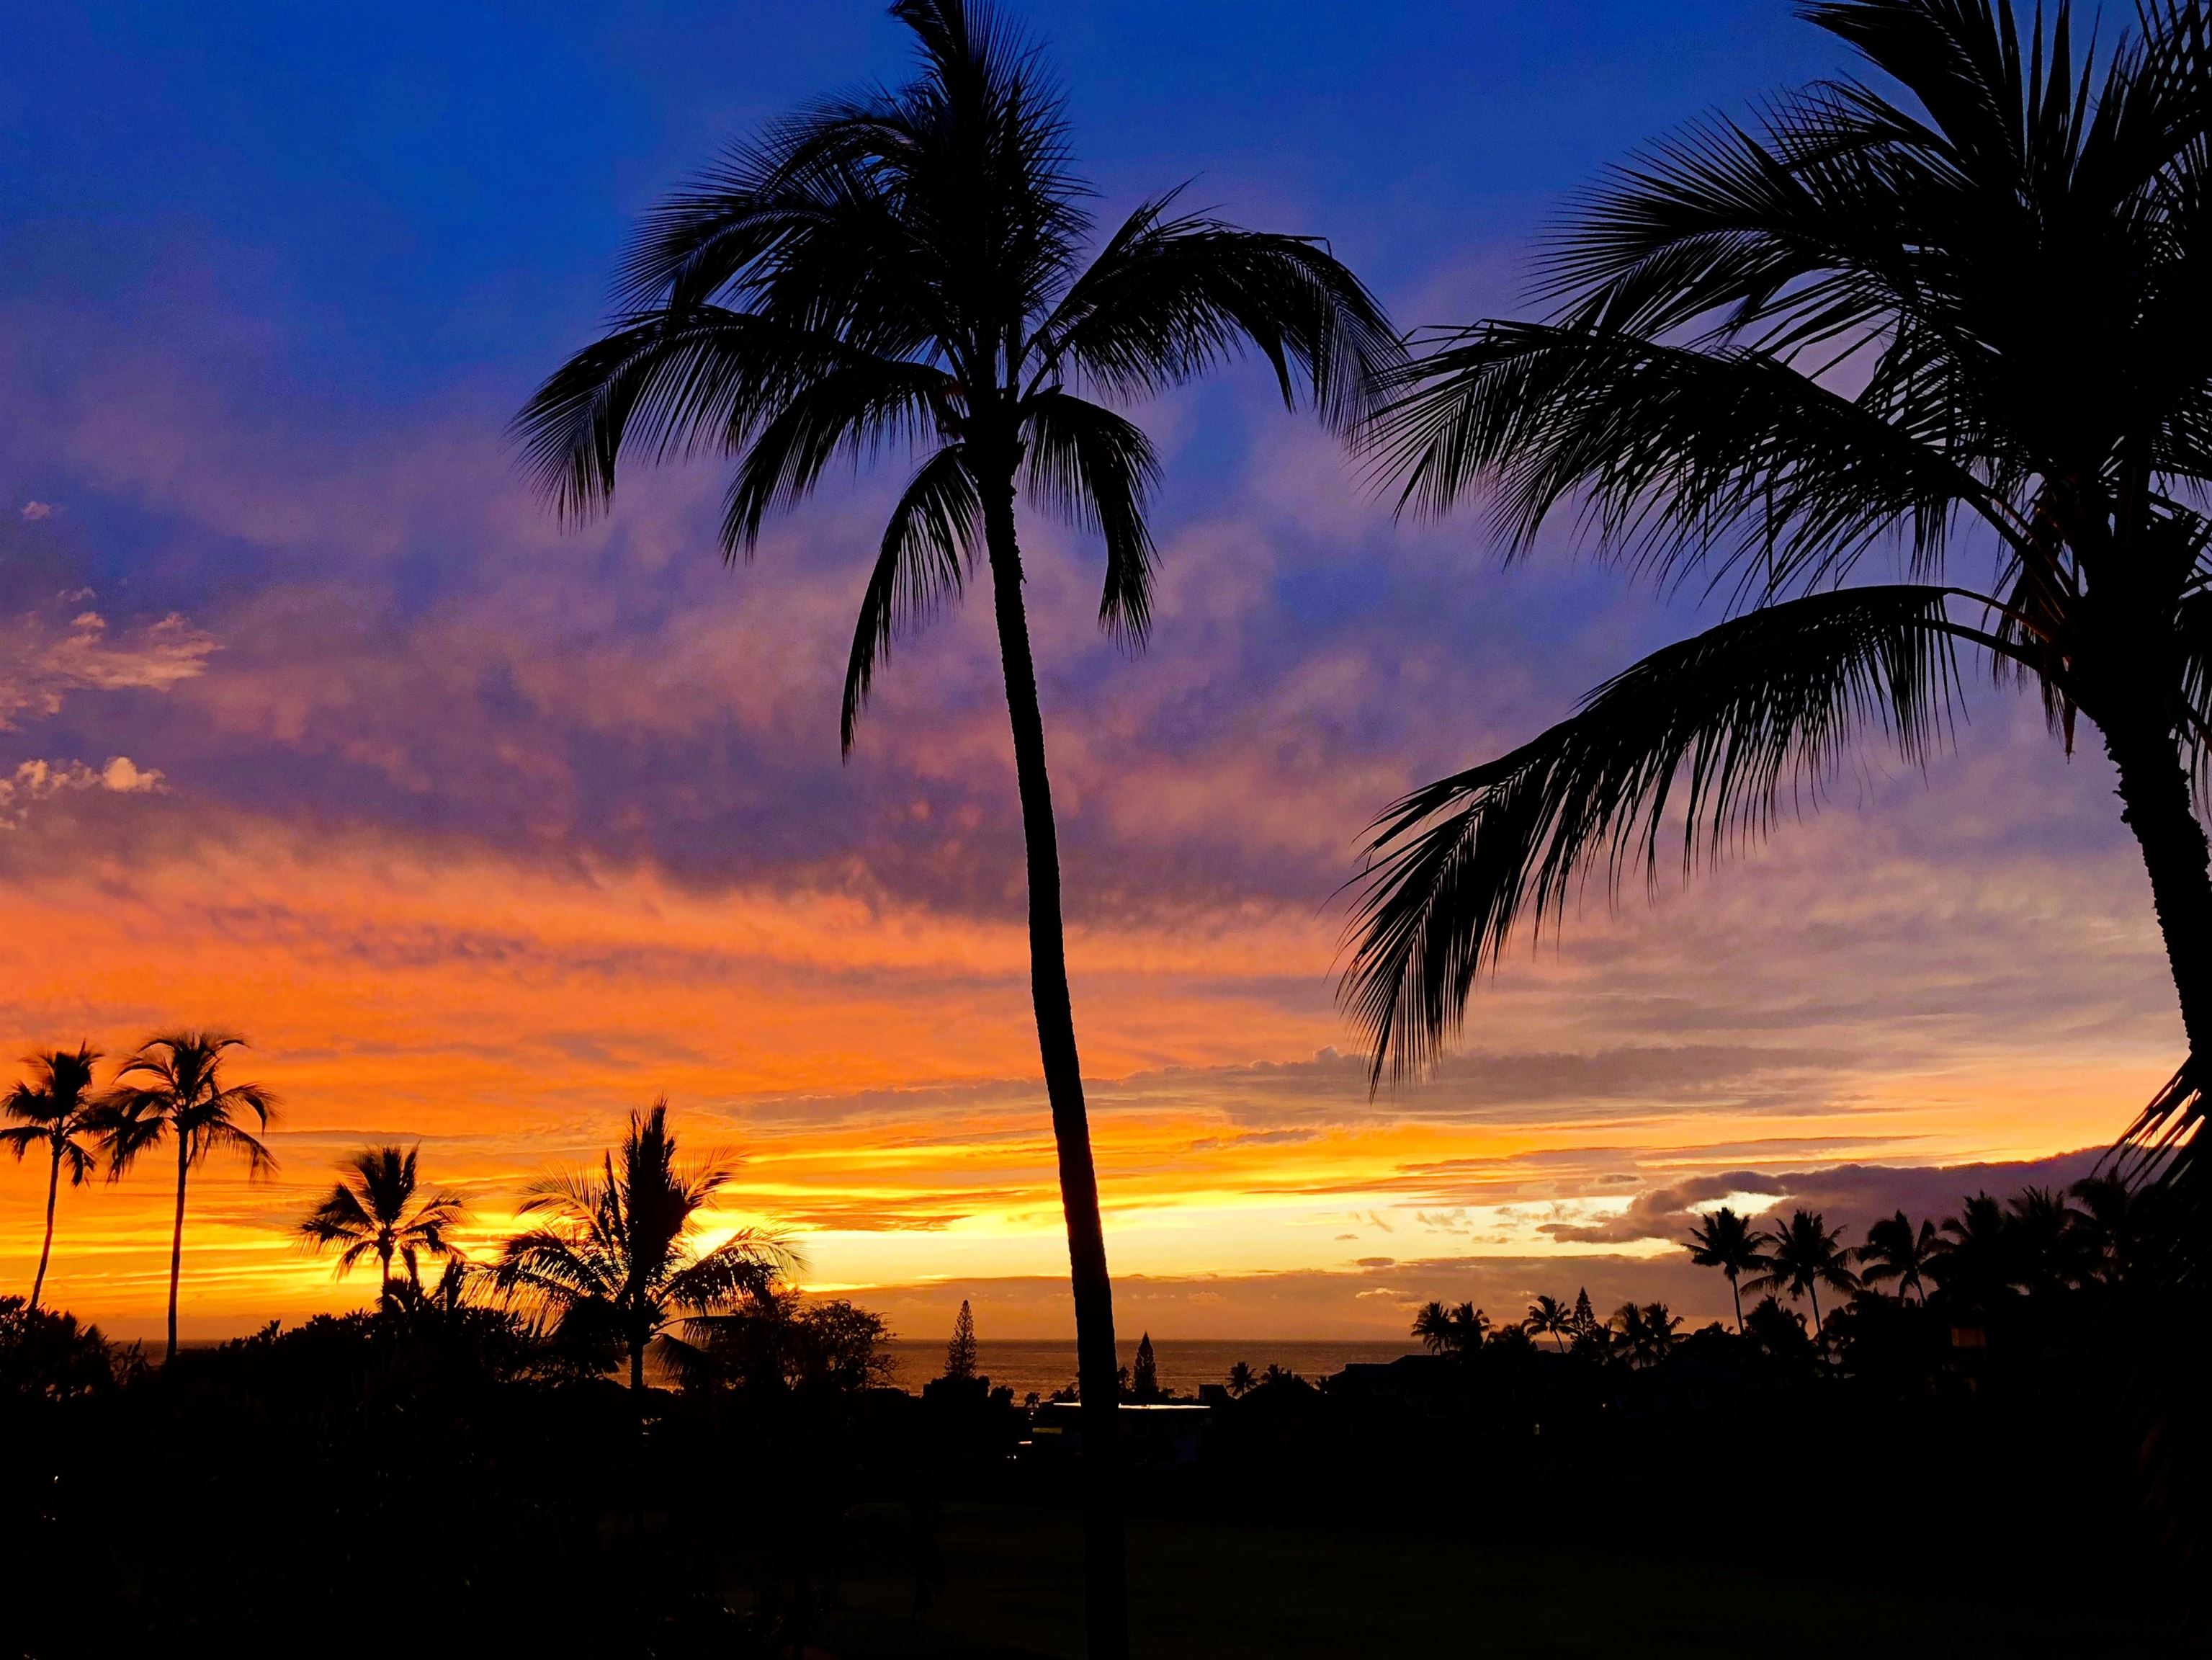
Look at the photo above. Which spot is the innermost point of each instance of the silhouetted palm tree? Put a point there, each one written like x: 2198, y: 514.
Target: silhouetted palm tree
x: 1548, y: 1313
x: 1804, y: 1254
x: 1894, y: 1251
x: 175, y: 1087
x: 53, y: 1109
x: 1457, y: 1330
x: 1241, y: 1382
x: 373, y: 1210
x: 907, y: 268
x: 2113, y: 1223
x: 1727, y: 1241
x: 1779, y: 347
x: 1662, y: 1329
x: 617, y: 1263
x: 1974, y: 1266
x: 2049, y: 1250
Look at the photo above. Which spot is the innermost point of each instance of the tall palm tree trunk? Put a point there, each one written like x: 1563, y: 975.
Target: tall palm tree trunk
x: 1814, y: 1291
x: 1736, y: 1291
x: 637, y: 1371
x: 1105, y: 1569
x: 177, y: 1243
x: 47, y: 1249
x: 384, y: 1283
x: 2154, y: 791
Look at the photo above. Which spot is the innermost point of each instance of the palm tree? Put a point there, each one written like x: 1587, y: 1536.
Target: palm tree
x: 1893, y: 1250
x: 373, y: 1210
x: 908, y: 267
x: 1662, y: 1330
x: 1964, y: 320
x: 1457, y: 1330
x: 53, y: 1109
x: 175, y: 1087
x: 1803, y: 1255
x: 2113, y: 1224
x: 1241, y: 1382
x: 1548, y: 1313
x: 616, y: 1263
x: 1975, y: 1266
x: 1728, y: 1242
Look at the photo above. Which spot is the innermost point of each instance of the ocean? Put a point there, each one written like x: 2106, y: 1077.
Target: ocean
x: 1183, y: 1363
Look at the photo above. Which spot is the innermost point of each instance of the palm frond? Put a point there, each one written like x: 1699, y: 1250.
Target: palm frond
x: 927, y: 547
x: 1730, y: 717
x: 1170, y: 296
x: 1095, y: 470
x: 1668, y: 453
x: 852, y: 411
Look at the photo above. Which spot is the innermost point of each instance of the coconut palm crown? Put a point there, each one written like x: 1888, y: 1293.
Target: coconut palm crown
x: 1728, y: 1242
x: 53, y: 1109
x: 374, y: 1211
x: 1952, y: 309
x: 616, y: 1262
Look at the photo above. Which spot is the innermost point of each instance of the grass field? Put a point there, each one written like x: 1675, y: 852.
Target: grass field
x: 1284, y: 1592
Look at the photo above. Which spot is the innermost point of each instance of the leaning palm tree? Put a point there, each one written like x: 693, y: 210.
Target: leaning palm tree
x: 53, y: 1109
x: 910, y: 268
x: 174, y: 1087
x: 616, y: 1262
x: 1803, y: 1255
x: 1548, y: 1313
x: 1961, y: 315
x: 1728, y: 1242
x: 1894, y: 1251
x: 373, y: 1210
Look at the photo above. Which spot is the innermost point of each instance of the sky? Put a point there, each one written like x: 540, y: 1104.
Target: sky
x: 485, y: 832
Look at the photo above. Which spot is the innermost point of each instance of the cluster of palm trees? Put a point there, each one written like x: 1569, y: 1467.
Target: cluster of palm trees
x: 1638, y: 1334
x: 614, y: 1261
x: 174, y: 1088
x: 610, y: 1267
x: 2098, y: 1232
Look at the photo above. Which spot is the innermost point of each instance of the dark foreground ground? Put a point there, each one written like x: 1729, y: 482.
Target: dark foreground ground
x: 1222, y: 1590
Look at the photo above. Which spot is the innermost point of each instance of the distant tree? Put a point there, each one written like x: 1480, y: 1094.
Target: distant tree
x: 175, y: 1087
x: 909, y: 267
x: 373, y: 1210
x: 1549, y: 1315
x: 777, y: 1339
x: 1242, y: 1383
x: 1278, y: 1376
x: 1145, y: 1375
x: 960, y: 1357
x: 48, y: 1356
x: 1726, y: 1240
x: 2113, y: 1219
x: 1778, y: 1331
x: 1661, y: 1331
x: 1432, y: 1325
x: 1974, y: 1266
x: 1895, y: 1250
x: 2048, y: 1249
x: 54, y: 1109
x: 1804, y: 1254
x: 1584, y: 1317
x: 1465, y: 1328
x: 617, y: 1265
